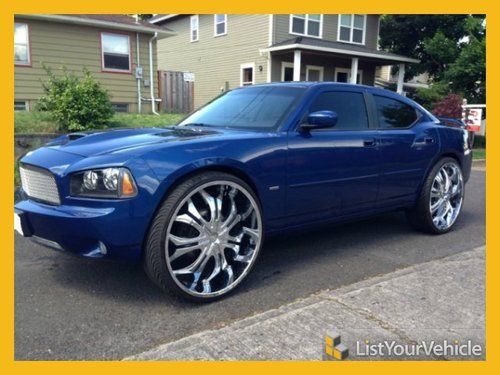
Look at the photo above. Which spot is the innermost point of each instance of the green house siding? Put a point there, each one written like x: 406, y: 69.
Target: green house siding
x: 215, y: 61
x: 281, y: 29
x: 75, y: 47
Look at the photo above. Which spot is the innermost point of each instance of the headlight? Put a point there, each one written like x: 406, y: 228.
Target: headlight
x: 103, y: 183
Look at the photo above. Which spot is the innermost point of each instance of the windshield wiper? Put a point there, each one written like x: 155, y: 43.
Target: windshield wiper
x: 196, y: 124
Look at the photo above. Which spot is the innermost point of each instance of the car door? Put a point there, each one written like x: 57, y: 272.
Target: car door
x: 408, y: 142
x: 335, y: 170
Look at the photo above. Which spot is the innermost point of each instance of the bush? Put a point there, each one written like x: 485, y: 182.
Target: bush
x: 75, y: 103
x: 451, y: 106
x: 428, y: 97
x: 479, y: 141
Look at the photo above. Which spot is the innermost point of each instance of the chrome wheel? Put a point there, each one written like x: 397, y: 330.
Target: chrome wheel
x: 213, y: 238
x: 446, y: 196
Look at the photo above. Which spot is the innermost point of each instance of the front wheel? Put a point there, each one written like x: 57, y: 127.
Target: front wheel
x: 205, y: 237
x: 441, y: 198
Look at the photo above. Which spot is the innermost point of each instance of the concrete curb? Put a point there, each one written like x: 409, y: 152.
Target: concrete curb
x: 406, y: 306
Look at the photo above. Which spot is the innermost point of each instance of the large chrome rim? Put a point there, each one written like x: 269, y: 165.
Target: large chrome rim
x: 446, y: 196
x: 213, y: 238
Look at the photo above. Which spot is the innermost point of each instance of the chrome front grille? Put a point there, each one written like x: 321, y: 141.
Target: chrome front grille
x: 39, y: 184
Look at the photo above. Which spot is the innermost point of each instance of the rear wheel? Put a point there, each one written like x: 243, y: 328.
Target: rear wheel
x: 441, y: 198
x: 205, y: 238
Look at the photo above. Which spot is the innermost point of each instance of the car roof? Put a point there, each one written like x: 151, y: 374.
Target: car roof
x: 323, y: 84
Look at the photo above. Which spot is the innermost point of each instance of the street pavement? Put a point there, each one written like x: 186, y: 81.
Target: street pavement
x: 71, y: 308
x: 422, y: 303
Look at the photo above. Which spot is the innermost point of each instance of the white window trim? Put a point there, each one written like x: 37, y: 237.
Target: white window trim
x: 315, y: 67
x: 191, y: 28
x: 103, y: 67
x: 215, y: 26
x: 350, y: 41
x: 28, y: 46
x: 306, y: 26
x: 285, y: 64
x: 246, y: 66
x: 348, y: 71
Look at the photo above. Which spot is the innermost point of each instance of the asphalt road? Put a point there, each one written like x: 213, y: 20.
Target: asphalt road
x: 70, y: 308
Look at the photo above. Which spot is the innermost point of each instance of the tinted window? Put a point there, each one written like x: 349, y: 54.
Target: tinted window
x: 350, y: 108
x: 393, y: 113
x: 252, y: 107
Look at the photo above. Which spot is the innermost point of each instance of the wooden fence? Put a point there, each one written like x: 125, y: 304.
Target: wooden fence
x: 176, y: 91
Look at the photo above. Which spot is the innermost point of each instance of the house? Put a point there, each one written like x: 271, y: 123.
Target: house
x: 385, y: 77
x: 119, y: 50
x: 223, y: 51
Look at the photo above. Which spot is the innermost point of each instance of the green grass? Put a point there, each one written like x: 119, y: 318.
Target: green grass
x: 479, y: 153
x: 40, y: 122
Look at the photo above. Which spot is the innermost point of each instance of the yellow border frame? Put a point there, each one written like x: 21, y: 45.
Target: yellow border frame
x: 10, y: 7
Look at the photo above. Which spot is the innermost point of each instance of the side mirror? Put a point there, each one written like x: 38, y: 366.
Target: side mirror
x: 320, y: 120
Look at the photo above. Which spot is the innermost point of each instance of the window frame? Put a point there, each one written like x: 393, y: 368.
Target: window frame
x: 348, y: 71
x: 372, y: 121
x: 375, y: 113
x: 191, y: 29
x: 351, y: 28
x: 101, y: 46
x: 28, y: 63
x: 217, y: 23
x: 316, y: 67
x: 306, y: 26
x: 285, y: 64
x: 247, y: 66
x: 26, y: 105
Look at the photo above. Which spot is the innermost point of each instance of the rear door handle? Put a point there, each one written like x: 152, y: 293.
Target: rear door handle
x: 425, y: 141
x: 369, y: 142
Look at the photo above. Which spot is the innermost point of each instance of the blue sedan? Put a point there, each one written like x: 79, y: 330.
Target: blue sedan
x: 193, y: 202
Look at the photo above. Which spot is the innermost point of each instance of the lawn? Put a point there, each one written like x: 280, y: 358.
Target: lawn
x: 40, y: 122
x: 479, y: 153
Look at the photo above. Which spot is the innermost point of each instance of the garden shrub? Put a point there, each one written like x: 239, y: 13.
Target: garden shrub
x: 75, y: 103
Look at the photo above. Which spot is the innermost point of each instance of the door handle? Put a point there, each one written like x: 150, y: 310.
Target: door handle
x: 425, y: 141
x: 369, y: 142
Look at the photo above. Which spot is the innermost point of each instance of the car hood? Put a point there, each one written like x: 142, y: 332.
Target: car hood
x: 112, y: 141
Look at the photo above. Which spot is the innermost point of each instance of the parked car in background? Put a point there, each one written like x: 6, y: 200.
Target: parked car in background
x: 194, y: 202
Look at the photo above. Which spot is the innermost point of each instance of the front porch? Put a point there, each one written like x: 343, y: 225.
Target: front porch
x: 306, y: 59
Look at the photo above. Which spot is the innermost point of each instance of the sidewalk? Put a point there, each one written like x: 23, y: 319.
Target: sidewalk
x: 439, y: 300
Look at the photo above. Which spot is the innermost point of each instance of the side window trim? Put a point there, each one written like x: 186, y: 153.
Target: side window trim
x: 370, y: 120
x: 375, y: 113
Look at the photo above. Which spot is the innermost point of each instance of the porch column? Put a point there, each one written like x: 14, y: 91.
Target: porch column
x: 354, y: 70
x: 297, y: 55
x: 401, y: 78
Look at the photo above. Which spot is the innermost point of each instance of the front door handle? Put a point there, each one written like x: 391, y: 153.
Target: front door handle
x: 369, y: 142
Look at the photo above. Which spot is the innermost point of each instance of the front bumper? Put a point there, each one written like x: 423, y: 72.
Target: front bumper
x: 110, y: 231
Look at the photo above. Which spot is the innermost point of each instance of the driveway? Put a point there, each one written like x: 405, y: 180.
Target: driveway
x: 70, y: 308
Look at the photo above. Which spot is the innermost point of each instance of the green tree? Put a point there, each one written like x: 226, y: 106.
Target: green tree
x: 451, y: 49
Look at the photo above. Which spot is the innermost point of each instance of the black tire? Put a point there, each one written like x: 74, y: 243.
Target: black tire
x: 154, y: 259
x: 420, y: 216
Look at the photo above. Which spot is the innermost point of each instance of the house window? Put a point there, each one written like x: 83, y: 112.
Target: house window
x: 286, y: 71
x: 314, y: 73
x: 247, y: 77
x: 194, y: 20
x: 306, y: 24
x: 21, y: 44
x: 220, y: 21
x: 115, y: 52
x: 344, y: 75
x: 120, y: 107
x: 20, y: 105
x: 352, y: 28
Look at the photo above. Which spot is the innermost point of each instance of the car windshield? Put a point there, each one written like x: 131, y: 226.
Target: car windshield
x: 259, y: 107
